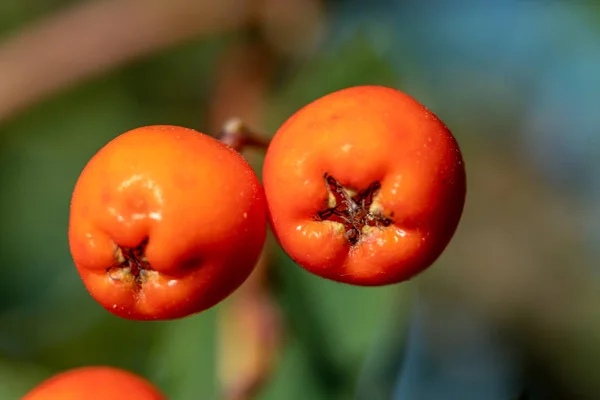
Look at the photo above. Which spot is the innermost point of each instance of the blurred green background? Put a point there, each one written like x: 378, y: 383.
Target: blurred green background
x: 516, y: 82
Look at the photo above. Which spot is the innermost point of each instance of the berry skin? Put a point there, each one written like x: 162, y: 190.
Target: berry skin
x: 364, y: 186
x: 165, y: 222
x: 95, y: 383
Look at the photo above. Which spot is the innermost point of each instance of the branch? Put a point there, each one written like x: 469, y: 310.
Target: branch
x: 91, y: 38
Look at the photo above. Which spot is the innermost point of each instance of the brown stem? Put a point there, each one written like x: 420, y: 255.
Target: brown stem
x: 250, y: 329
x: 95, y: 36
x: 243, y: 75
x: 239, y: 136
x: 250, y: 336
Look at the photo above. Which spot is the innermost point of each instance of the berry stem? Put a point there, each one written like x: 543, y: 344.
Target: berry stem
x: 250, y: 328
x: 239, y: 137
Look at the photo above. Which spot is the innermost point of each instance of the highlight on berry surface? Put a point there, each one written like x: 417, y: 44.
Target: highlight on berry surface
x: 364, y: 186
x: 155, y: 216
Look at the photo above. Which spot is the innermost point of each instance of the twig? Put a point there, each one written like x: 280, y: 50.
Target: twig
x: 250, y: 336
x: 250, y: 327
x: 239, y: 136
x: 87, y: 39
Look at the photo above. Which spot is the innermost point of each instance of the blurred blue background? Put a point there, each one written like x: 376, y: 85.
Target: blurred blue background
x: 512, y: 307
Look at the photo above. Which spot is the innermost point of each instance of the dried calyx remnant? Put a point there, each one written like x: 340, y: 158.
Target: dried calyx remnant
x: 352, y: 209
x: 131, y: 262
